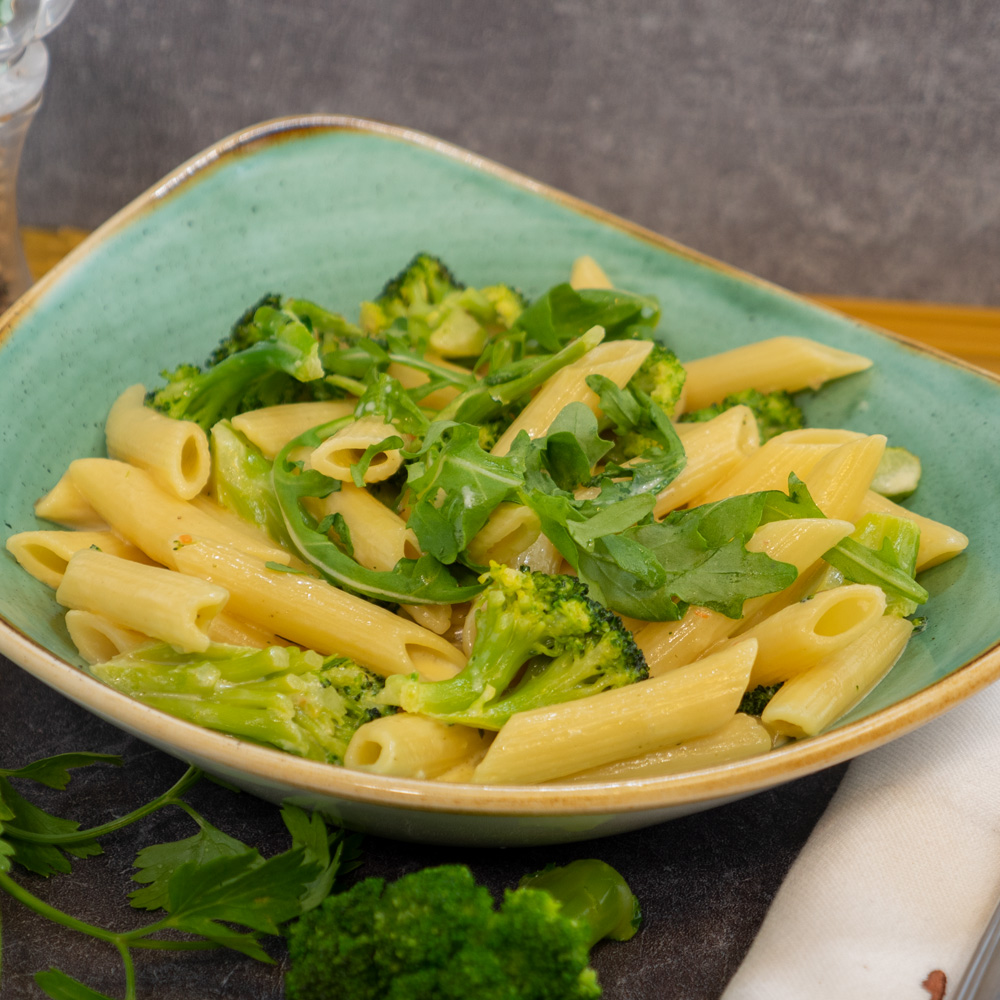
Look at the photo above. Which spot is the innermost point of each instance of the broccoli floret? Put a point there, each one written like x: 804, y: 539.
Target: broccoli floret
x: 661, y: 377
x: 440, y: 313
x: 287, y: 697
x: 754, y: 702
x: 435, y: 935
x: 542, y: 630
x: 420, y: 286
x: 776, y: 412
x: 245, y: 332
x: 274, y: 368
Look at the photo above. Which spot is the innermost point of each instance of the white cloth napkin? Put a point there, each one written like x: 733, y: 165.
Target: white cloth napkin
x: 900, y: 876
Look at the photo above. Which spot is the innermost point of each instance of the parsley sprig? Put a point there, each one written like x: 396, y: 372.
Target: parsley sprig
x: 209, y: 890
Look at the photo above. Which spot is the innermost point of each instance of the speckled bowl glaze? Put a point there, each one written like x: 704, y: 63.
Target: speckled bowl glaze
x: 326, y: 207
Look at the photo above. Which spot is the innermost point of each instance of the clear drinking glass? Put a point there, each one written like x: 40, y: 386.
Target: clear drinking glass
x: 24, y: 64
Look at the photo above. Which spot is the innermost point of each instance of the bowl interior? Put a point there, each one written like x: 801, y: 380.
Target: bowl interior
x: 329, y: 211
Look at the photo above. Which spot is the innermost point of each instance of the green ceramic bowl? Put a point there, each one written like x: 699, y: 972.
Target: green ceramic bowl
x: 326, y: 208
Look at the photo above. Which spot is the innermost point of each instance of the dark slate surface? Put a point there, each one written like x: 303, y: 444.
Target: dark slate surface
x: 835, y: 146
x: 704, y: 882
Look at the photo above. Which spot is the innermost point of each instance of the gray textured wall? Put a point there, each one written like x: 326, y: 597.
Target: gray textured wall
x: 837, y: 146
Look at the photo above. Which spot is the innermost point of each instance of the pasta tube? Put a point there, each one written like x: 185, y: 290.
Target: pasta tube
x: 714, y: 448
x: 790, y: 363
x: 413, y: 746
x: 938, y: 542
x: 799, y: 636
x: 130, y: 501
x: 316, y: 615
x: 338, y: 453
x: 64, y: 504
x: 272, y: 427
x: 510, y: 530
x: 617, y: 360
x: 587, y: 273
x: 148, y: 599
x: 548, y: 743
x: 174, y: 452
x: 808, y: 703
x: 98, y: 639
x: 742, y: 737
x: 45, y: 554
x: 667, y: 645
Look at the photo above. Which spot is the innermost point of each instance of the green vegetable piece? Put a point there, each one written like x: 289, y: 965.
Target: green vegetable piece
x: 564, y: 313
x: 883, y: 551
x: 567, y: 645
x: 776, y: 412
x: 898, y: 474
x: 241, y: 482
x: 594, y: 893
x: 436, y: 934
x: 255, y: 376
x: 754, y: 702
x: 422, y: 581
x: 289, y: 698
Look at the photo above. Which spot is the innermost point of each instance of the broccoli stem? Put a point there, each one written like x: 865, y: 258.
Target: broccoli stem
x: 503, y: 643
x: 593, y: 893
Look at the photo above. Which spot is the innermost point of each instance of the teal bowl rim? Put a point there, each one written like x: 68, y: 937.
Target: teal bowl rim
x: 689, y: 790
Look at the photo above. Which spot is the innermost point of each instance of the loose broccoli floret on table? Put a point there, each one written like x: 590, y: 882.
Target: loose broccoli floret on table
x: 435, y: 935
x: 290, y: 698
x: 776, y: 412
x: 539, y: 640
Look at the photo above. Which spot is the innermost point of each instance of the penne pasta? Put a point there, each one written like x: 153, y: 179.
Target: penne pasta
x: 548, y: 743
x: 669, y: 645
x: 98, y: 639
x: 509, y: 532
x: 742, y: 737
x: 617, y: 360
x: 938, y: 542
x: 151, y: 519
x: 148, y: 599
x: 808, y: 703
x: 174, y: 452
x: 714, y: 448
x: 316, y: 615
x: 587, y: 273
x: 411, y: 746
x: 799, y: 636
x: 789, y: 363
x: 272, y: 427
x: 340, y: 452
x: 64, y: 504
x: 45, y: 554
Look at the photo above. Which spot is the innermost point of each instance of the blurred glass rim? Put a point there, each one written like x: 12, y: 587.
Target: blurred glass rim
x: 23, y: 21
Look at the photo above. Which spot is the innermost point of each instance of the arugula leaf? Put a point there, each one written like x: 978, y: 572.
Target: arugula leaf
x: 703, y: 557
x: 455, y: 487
x: 422, y: 581
x: 158, y: 863
x: 59, y: 986
x: 860, y: 564
x: 563, y: 313
x: 361, y: 466
x: 54, y: 771
x: 385, y: 398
